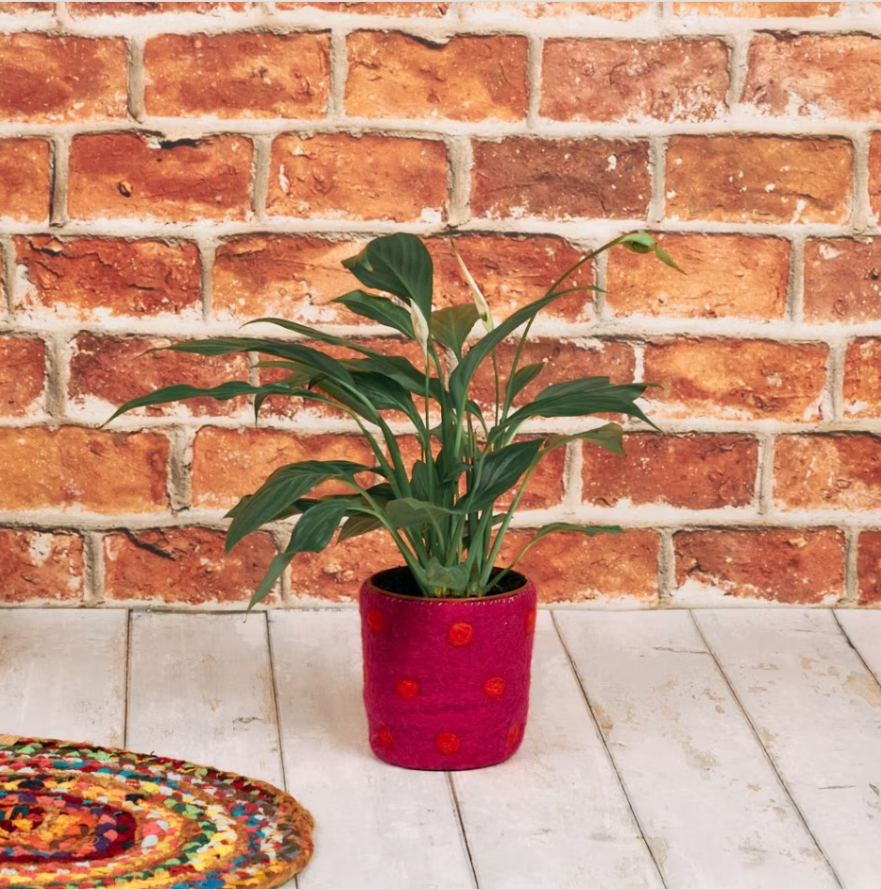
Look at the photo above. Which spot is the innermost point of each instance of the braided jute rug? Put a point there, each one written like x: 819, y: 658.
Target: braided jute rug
x: 74, y: 814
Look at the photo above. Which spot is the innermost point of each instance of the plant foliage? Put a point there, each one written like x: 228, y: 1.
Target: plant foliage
x: 441, y: 511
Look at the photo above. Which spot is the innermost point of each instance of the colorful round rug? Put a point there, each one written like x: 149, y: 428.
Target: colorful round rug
x: 77, y: 815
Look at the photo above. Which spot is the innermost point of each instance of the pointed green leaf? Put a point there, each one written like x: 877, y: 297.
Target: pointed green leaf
x: 379, y: 309
x: 452, y: 325
x: 404, y: 512
x: 523, y: 377
x: 608, y: 436
x: 501, y: 470
x: 453, y: 579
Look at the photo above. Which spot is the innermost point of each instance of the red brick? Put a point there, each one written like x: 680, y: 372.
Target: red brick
x: 292, y: 277
x: 621, y: 12
x: 815, y: 75
x: 560, y: 179
x: 727, y: 276
x: 58, y: 79
x: 697, y: 472
x: 794, y: 566
x: 22, y: 367
x: 38, y: 566
x: 565, y: 361
x: 862, y: 379
x: 869, y: 568
x: 125, y: 175
x: 337, y: 176
x: 736, y: 379
x: 94, y: 279
x: 759, y: 179
x: 612, y: 80
x: 184, y: 566
x: 875, y: 174
x: 25, y: 186
x: 511, y: 271
x: 238, y: 75
x: 419, y: 10
x: 228, y: 464
x: 574, y: 568
x: 759, y: 10
x: 335, y: 575
x: 88, y: 10
x: 105, y: 372
x: 465, y: 79
x: 827, y: 472
x: 545, y: 488
x: 81, y: 469
x: 842, y: 281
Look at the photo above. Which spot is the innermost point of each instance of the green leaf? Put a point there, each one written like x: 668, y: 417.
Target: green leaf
x: 404, y: 512
x: 379, y: 309
x: 386, y: 394
x: 399, y: 264
x: 501, y: 470
x: 452, y: 578
x: 283, y: 487
x: 608, y: 436
x: 229, y: 390
x: 640, y: 242
x: 523, y: 377
x: 359, y: 525
x: 452, y: 325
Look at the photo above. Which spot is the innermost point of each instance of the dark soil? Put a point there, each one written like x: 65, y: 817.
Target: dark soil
x: 401, y: 581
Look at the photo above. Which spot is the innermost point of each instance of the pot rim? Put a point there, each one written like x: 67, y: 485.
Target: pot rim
x: 369, y: 582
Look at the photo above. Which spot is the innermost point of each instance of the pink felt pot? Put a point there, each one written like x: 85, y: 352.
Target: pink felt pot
x: 446, y: 681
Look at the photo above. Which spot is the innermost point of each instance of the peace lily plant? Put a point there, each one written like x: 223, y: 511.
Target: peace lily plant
x: 441, y: 511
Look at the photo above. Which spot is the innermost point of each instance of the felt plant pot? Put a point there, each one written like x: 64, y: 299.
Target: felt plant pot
x: 446, y: 681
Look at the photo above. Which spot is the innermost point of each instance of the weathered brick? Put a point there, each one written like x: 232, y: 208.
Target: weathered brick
x: 869, y: 568
x: 71, y: 468
x: 759, y: 10
x: 228, y: 464
x: 88, y: 10
x: 823, y: 472
x: 22, y: 367
x: 511, y: 271
x: 237, y: 75
x: 727, y: 276
x: 795, y: 566
x: 574, y: 568
x: 338, y: 176
x: 93, y: 279
x: 126, y: 175
x: 875, y: 174
x: 47, y: 78
x: 336, y: 574
x: 621, y: 12
x: 842, y: 281
x: 184, y: 566
x: 22, y: 8
x: 545, y: 488
x: 560, y: 179
x: 862, y: 379
x: 612, y: 80
x: 814, y: 76
x: 40, y: 566
x: 25, y: 186
x: 759, y: 179
x: 292, y: 277
x: 565, y: 361
x: 105, y: 372
x: 419, y: 10
x: 697, y: 472
x: 736, y: 379
x: 465, y: 79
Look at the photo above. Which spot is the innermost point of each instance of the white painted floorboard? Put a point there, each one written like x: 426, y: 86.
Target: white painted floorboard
x: 555, y: 815
x: 863, y: 629
x: 200, y: 689
x: 62, y: 674
x: 377, y: 826
x: 818, y: 712
x: 709, y: 802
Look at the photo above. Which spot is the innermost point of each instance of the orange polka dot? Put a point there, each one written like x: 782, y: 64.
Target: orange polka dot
x: 448, y: 743
x: 375, y: 620
x: 513, y: 734
x: 384, y: 737
x: 407, y: 688
x: 529, y: 624
x: 461, y: 634
x: 494, y: 687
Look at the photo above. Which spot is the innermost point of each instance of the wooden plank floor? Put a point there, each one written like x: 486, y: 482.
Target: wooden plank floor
x: 717, y: 748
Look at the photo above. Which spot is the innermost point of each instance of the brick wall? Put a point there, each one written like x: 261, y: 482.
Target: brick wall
x: 171, y: 169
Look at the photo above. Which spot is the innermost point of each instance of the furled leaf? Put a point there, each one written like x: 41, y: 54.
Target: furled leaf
x: 640, y: 242
x: 398, y: 264
x: 452, y: 325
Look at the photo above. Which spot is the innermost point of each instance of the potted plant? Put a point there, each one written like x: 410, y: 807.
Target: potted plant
x: 447, y: 637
